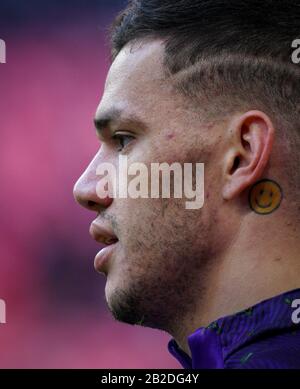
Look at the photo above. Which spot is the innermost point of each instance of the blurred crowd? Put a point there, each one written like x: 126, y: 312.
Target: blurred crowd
x: 57, y: 59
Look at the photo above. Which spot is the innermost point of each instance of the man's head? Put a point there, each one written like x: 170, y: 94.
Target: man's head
x: 192, y: 81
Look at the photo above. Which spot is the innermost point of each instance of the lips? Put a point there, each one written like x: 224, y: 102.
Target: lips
x: 102, y: 234
x: 106, y: 237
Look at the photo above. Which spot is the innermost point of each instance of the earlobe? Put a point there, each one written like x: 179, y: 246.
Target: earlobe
x: 252, y: 136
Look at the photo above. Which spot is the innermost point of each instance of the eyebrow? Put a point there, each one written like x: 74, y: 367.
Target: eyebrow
x: 110, y: 118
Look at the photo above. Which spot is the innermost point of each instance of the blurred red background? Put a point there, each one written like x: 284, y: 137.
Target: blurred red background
x: 57, y: 59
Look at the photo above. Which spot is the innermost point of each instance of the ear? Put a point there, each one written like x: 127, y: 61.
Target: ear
x: 251, y: 137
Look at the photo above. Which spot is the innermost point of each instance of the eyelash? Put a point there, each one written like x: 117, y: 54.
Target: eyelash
x: 120, y: 137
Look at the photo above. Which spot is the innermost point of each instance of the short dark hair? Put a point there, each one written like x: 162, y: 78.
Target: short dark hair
x: 238, y: 51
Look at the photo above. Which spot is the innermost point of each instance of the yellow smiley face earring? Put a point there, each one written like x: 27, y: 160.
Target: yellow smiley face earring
x: 265, y: 197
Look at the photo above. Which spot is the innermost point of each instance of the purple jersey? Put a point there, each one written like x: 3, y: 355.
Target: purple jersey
x: 265, y: 336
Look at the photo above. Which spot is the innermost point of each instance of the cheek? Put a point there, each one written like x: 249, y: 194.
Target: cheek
x: 137, y: 219
x: 170, y: 136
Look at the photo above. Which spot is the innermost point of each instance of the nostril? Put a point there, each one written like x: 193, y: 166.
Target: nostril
x: 91, y: 204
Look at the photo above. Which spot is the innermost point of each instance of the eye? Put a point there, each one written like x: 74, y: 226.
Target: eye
x: 122, y: 140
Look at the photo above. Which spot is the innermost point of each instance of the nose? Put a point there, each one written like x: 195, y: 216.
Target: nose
x: 85, y: 190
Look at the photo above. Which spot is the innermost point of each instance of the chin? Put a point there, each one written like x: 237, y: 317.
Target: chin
x: 123, y: 304
x: 108, y: 292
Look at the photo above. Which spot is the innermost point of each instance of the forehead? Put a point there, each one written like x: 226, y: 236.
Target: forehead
x: 136, y: 79
x: 140, y: 61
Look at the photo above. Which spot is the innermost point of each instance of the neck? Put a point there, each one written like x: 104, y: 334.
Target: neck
x: 262, y: 262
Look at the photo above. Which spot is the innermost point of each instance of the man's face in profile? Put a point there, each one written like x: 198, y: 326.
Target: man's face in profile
x: 210, y: 83
x: 159, y: 242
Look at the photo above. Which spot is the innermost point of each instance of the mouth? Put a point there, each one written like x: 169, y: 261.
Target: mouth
x: 106, y: 237
x: 263, y: 205
x: 102, y: 258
